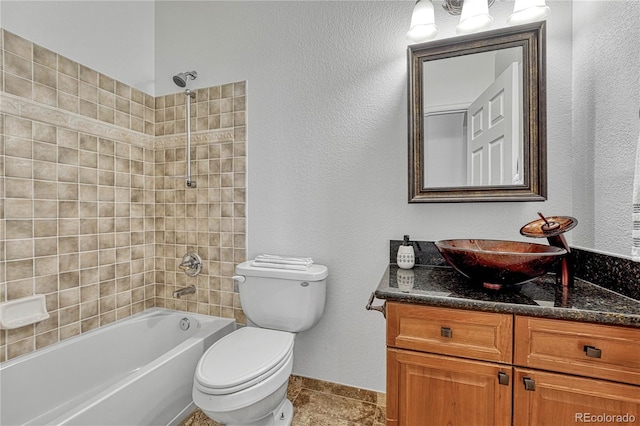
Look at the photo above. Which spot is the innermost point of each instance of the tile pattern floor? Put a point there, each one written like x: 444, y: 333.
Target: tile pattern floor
x: 319, y: 403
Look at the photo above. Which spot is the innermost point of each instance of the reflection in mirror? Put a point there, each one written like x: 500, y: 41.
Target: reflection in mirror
x: 477, y: 117
x: 456, y: 112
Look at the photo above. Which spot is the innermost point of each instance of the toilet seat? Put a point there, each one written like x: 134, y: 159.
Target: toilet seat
x: 242, y: 359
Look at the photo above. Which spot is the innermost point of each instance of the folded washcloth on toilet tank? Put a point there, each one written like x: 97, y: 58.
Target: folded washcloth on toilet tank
x: 282, y: 262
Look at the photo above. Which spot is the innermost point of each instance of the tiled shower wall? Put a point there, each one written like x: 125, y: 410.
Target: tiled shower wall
x: 210, y: 219
x: 94, y: 209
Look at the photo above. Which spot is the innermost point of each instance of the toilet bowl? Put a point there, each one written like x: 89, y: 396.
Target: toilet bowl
x: 241, y: 380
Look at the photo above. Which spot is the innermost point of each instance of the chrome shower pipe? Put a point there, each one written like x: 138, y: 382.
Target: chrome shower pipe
x: 189, y: 94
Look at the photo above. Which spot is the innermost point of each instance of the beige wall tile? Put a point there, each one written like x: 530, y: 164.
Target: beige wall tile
x: 45, y: 94
x: 68, y: 84
x: 19, y: 249
x: 45, y: 76
x: 88, y: 75
x: 44, y: 132
x: 68, y: 67
x: 68, y: 102
x: 45, y: 57
x: 19, y: 229
x: 46, y: 339
x: 106, y: 83
x: 87, y: 108
x: 87, y: 92
x: 18, y: 86
x: 17, y: 45
x: 18, y: 66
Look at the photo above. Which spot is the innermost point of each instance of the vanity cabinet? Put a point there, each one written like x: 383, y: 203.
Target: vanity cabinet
x: 458, y: 367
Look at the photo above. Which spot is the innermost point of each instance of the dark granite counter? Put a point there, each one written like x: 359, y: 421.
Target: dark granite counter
x: 542, y: 297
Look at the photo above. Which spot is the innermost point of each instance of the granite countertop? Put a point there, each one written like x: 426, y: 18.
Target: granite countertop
x: 542, y: 297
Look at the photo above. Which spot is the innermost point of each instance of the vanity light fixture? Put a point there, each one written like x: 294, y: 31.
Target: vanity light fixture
x: 474, y: 16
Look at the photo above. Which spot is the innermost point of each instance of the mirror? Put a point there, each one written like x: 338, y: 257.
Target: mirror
x: 477, y: 117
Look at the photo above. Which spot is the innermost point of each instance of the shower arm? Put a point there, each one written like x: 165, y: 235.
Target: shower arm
x: 189, y: 94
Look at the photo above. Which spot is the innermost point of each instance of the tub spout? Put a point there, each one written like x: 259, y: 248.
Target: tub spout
x: 184, y: 291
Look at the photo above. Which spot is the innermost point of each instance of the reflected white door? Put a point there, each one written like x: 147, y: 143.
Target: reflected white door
x: 493, y: 132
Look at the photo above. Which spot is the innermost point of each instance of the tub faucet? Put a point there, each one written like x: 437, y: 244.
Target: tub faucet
x: 191, y: 264
x: 184, y: 291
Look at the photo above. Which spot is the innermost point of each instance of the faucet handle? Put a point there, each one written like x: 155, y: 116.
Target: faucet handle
x: 185, y: 266
x: 191, y: 264
x: 548, y: 226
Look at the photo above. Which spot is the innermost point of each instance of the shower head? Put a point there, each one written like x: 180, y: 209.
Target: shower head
x: 181, y: 79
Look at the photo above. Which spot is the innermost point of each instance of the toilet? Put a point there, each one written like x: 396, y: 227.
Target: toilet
x: 242, y: 379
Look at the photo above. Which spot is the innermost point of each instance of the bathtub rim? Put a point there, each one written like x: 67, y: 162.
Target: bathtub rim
x: 139, y: 316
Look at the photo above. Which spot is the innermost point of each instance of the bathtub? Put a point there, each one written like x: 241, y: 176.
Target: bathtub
x: 136, y: 371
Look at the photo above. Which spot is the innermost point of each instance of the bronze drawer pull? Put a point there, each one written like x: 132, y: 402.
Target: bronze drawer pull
x: 503, y: 378
x: 529, y: 383
x: 446, y: 332
x: 592, y: 351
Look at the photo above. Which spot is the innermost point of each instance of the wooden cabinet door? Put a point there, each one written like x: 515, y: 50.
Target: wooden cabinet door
x: 563, y: 400
x: 433, y: 390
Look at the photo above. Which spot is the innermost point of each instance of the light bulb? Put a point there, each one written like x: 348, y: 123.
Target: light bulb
x: 474, y: 17
x: 423, y: 27
x: 528, y: 11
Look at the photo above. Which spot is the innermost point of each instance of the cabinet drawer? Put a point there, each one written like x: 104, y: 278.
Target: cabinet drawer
x: 468, y: 334
x: 593, y: 350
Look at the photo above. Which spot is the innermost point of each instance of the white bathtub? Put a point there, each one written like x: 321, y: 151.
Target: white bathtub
x: 137, y: 371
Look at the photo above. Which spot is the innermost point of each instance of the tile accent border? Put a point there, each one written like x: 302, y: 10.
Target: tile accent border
x: 30, y: 110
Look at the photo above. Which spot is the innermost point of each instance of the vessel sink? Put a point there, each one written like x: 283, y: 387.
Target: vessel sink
x: 498, y: 264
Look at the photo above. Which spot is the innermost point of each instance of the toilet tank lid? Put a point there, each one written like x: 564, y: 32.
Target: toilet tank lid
x: 314, y: 273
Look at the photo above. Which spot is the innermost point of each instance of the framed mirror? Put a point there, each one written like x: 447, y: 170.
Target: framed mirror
x: 477, y: 117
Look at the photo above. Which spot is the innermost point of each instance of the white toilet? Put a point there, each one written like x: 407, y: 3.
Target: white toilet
x: 242, y: 378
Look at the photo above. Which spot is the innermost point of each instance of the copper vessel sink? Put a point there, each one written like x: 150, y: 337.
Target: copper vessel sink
x: 498, y: 264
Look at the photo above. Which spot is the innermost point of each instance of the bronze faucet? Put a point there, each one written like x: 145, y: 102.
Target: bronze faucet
x: 553, y: 228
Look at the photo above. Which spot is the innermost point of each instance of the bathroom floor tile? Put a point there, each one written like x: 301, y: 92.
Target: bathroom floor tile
x: 314, y: 408
x: 319, y: 403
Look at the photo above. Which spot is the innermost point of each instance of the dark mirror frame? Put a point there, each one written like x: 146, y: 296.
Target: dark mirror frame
x: 532, y: 39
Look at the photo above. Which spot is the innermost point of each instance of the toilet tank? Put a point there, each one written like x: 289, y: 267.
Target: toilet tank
x: 282, y: 299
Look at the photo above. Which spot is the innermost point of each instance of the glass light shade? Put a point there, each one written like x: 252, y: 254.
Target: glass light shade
x: 423, y: 27
x: 528, y: 11
x: 474, y: 17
